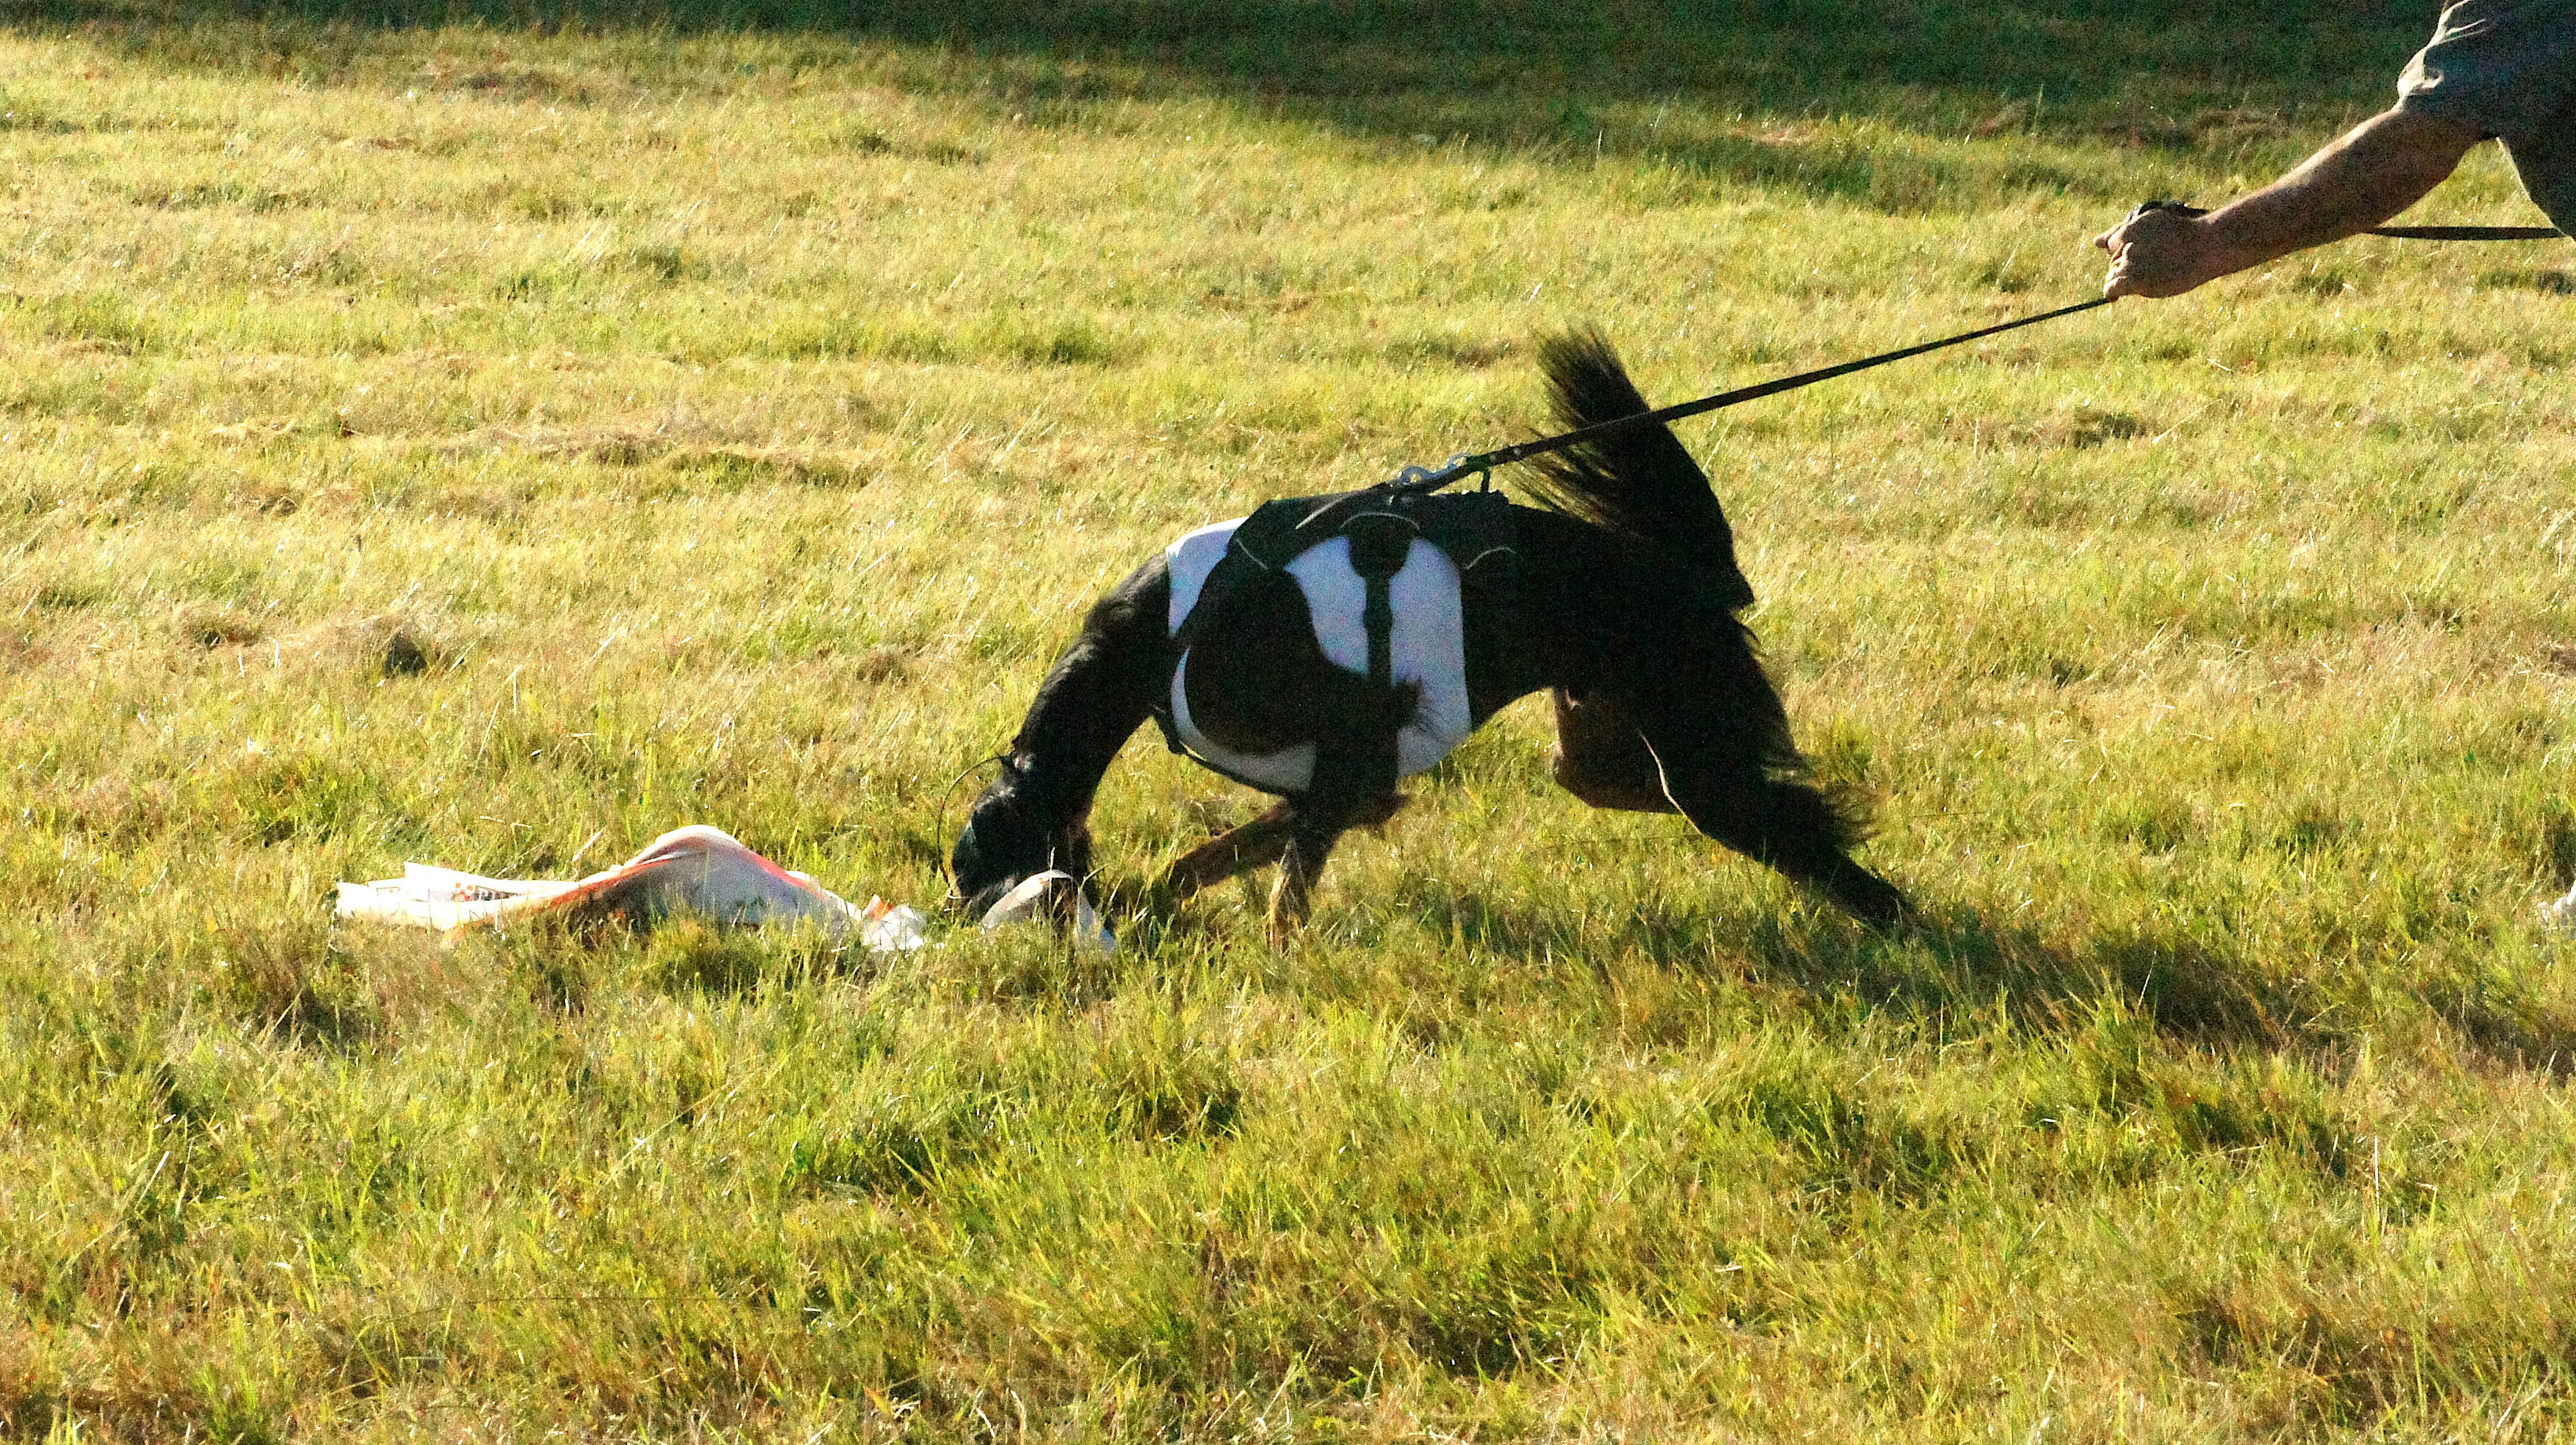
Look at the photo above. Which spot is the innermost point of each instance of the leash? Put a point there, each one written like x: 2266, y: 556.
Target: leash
x: 1432, y: 479
x: 2468, y: 233
x: 2400, y: 233
x: 949, y: 794
x: 1417, y: 480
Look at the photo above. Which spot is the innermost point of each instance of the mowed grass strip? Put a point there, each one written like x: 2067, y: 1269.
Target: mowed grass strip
x: 494, y: 436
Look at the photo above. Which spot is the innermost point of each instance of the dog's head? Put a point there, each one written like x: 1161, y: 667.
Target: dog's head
x: 1006, y: 839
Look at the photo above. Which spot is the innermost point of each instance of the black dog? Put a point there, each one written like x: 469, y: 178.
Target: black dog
x: 1620, y: 592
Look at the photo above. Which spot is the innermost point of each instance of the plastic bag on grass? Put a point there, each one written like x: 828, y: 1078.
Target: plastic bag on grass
x: 696, y: 869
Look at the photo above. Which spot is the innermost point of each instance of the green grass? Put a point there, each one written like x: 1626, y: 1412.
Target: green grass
x: 453, y: 432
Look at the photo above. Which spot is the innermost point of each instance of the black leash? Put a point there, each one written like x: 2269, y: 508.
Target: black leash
x: 1432, y: 479
x: 2468, y: 233
x: 2401, y: 233
x: 948, y: 795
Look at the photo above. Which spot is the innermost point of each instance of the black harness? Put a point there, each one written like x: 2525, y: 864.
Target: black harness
x: 1474, y: 529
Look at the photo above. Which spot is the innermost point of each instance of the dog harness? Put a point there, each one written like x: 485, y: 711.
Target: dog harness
x: 1382, y: 581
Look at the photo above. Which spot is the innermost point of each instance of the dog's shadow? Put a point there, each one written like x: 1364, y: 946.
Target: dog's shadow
x: 2193, y: 985
x: 1960, y: 966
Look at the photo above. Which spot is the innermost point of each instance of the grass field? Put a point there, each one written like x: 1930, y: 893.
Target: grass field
x: 493, y: 436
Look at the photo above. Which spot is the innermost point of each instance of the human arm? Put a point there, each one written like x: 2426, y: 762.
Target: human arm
x: 2367, y: 175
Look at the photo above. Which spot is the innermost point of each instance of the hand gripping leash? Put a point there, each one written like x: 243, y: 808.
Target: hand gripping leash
x: 1481, y: 464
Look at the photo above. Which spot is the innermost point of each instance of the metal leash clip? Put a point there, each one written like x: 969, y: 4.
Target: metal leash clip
x: 1420, y: 480
x: 1469, y: 464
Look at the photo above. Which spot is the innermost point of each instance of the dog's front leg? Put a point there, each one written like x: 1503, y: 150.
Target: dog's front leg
x: 1292, y: 897
x: 1237, y: 850
x: 1316, y: 826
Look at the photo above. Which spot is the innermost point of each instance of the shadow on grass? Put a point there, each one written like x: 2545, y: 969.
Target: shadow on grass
x: 2184, y: 984
x: 1587, y: 79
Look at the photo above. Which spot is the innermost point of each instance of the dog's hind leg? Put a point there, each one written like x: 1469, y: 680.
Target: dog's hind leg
x: 1790, y: 826
x: 1736, y: 775
x: 1601, y: 758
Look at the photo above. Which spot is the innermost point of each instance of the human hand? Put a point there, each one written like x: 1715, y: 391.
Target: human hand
x: 2160, y: 252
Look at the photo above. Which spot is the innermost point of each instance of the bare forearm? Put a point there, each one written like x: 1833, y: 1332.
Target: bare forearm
x: 2371, y: 173
x: 2376, y: 170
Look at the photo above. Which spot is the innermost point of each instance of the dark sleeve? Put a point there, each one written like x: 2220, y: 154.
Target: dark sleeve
x: 2507, y: 67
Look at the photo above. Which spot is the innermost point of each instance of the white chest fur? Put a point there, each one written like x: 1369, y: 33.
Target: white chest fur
x: 1427, y: 645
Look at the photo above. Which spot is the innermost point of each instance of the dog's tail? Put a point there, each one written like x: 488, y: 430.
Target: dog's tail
x: 1638, y: 482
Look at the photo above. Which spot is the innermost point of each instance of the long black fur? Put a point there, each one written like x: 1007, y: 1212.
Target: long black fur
x: 1036, y: 816
x: 1643, y: 487
x: 1627, y: 593
x: 1637, y: 482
